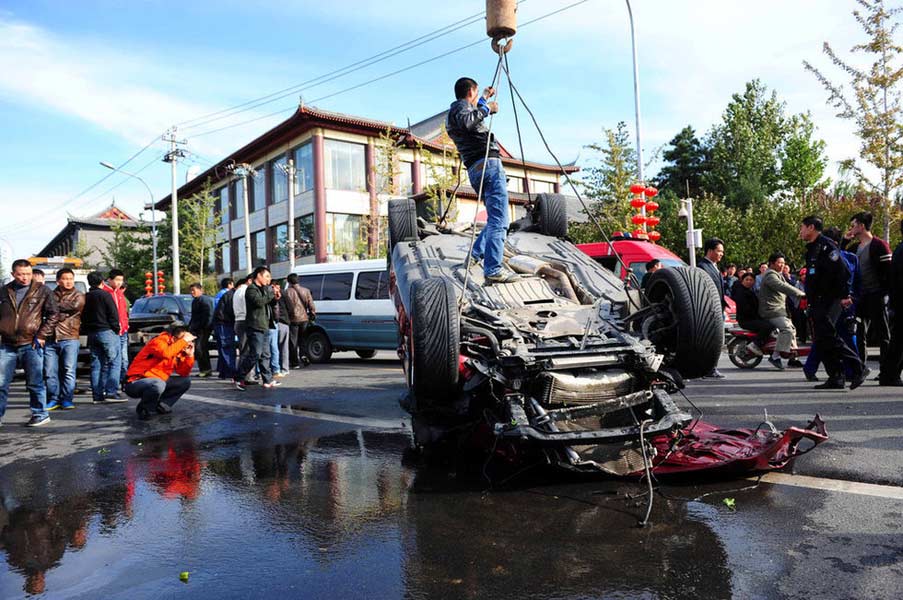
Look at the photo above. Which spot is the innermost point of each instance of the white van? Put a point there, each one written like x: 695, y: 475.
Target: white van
x: 354, y: 311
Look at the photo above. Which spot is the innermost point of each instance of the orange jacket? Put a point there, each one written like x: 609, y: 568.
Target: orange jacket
x: 159, y: 358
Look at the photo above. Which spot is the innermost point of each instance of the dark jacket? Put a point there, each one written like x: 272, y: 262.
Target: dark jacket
x: 466, y: 129
x: 224, y: 314
x: 34, y: 318
x: 827, y: 274
x: 300, y: 304
x: 100, y: 312
x: 896, y: 281
x: 281, y: 310
x: 747, y: 303
x: 712, y: 270
x: 260, y: 301
x: 201, y: 314
x: 70, y: 304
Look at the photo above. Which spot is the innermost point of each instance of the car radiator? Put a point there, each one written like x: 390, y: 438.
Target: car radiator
x: 559, y: 388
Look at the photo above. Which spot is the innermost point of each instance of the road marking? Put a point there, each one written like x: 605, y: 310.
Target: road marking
x: 833, y: 485
x: 281, y: 409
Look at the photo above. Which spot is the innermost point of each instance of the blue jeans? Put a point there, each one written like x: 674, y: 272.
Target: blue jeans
x: 120, y: 365
x: 105, y: 346
x: 33, y: 362
x: 256, y: 354
x: 490, y: 244
x: 274, y: 351
x: 225, y: 341
x: 59, y: 370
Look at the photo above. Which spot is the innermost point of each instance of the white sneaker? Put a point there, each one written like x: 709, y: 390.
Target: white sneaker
x: 272, y: 384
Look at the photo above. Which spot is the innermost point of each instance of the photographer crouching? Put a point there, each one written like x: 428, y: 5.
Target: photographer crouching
x: 149, y: 375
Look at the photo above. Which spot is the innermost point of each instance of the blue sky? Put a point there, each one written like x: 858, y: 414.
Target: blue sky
x: 98, y: 79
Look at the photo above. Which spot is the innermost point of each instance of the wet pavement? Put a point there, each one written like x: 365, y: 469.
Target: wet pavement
x: 311, y: 490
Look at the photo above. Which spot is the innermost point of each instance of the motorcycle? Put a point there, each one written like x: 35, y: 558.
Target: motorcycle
x: 741, y: 348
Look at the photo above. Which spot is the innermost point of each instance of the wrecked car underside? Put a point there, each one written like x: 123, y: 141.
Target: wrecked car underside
x: 566, y: 363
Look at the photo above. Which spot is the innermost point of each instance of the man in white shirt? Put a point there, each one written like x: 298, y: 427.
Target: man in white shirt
x: 241, y: 311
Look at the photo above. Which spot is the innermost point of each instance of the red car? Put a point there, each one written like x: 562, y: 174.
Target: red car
x: 635, y: 253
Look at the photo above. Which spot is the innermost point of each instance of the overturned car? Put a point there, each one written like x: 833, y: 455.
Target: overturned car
x: 567, y: 361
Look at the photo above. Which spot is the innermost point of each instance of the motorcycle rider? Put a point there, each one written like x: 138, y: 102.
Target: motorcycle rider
x: 773, y: 292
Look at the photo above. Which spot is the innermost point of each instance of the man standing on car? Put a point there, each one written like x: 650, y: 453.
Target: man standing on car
x: 714, y: 252
x: 480, y: 154
x: 827, y: 289
x: 115, y: 286
x: 224, y: 326
x: 200, y: 326
x: 61, y: 349
x: 28, y: 315
x: 259, y: 299
x: 100, y: 322
x: 300, y: 305
x: 874, y: 266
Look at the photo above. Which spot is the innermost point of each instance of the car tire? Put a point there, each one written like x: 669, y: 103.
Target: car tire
x: 551, y: 212
x: 434, y: 341
x: 317, y: 346
x: 693, y: 338
x: 402, y: 222
x: 365, y: 354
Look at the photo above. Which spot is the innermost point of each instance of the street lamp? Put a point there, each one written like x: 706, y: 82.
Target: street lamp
x: 146, y: 206
x: 636, y: 99
x: 694, y: 236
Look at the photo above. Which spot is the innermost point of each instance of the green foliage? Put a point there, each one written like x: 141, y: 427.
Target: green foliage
x: 803, y: 159
x: 443, y: 173
x: 875, y: 105
x: 607, y: 184
x: 197, y: 237
x: 685, y: 165
x: 130, y: 251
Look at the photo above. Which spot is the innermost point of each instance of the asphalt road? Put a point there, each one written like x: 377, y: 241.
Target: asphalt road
x: 309, y: 490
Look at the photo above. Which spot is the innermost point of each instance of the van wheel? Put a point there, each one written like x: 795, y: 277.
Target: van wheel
x: 318, y: 347
x: 365, y: 354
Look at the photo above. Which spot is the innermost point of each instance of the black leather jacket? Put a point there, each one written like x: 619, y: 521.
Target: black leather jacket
x: 466, y: 128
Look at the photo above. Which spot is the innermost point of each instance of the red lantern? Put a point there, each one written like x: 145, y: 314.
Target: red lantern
x: 160, y: 273
x: 639, y: 233
x: 651, y: 206
x: 637, y: 188
x: 655, y: 236
x: 617, y: 234
x: 638, y: 219
x: 638, y: 202
x: 651, y: 192
x: 653, y: 221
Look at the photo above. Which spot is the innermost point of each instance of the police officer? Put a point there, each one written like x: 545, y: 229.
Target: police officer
x: 828, y: 291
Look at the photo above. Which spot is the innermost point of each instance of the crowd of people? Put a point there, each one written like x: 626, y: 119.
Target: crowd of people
x: 257, y: 325
x: 844, y: 296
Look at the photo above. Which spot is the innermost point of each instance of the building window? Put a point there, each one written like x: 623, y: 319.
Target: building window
x: 259, y: 248
x: 372, y: 286
x: 345, y: 168
x: 343, y: 234
x: 279, y: 237
x: 211, y: 260
x: 304, y: 236
x: 223, y: 205
x: 239, y: 198
x: 304, y: 168
x: 280, y: 179
x: 404, y: 178
x: 541, y: 187
x: 258, y: 196
x: 226, y: 257
x: 242, y: 256
x: 515, y: 184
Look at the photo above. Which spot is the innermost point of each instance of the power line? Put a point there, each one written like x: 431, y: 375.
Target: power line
x: 386, y: 76
x: 332, y: 75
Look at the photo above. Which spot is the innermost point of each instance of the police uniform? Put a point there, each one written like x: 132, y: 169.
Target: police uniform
x: 827, y: 283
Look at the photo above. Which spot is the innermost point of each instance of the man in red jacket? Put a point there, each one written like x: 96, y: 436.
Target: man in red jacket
x: 115, y: 286
x: 149, y: 376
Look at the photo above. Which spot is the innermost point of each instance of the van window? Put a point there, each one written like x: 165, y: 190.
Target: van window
x: 337, y: 286
x: 314, y: 283
x: 372, y: 286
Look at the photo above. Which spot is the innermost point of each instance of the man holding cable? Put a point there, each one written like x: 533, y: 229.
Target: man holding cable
x: 480, y: 153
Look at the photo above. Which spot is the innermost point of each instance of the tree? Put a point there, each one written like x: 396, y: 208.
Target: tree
x: 386, y: 174
x: 443, y: 174
x: 198, y: 224
x: 685, y: 165
x: 875, y: 106
x: 130, y: 251
x: 745, y: 147
x: 607, y: 184
x: 803, y: 158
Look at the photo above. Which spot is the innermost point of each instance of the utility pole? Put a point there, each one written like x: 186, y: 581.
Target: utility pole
x: 243, y: 170
x: 172, y: 157
x: 289, y: 171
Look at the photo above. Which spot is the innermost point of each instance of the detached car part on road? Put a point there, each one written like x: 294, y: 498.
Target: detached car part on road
x: 566, y: 362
